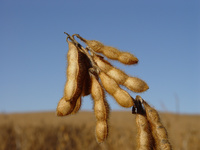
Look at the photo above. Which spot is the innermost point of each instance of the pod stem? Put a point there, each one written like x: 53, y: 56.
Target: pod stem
x: 72, y: 39
x: 78, y: 36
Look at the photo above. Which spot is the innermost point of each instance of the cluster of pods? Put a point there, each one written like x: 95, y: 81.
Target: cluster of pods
x: 88, y: 72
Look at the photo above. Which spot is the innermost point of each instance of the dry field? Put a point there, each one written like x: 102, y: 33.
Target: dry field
x: 46, y: 131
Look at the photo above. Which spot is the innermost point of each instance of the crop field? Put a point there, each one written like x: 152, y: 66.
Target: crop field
x: 46, y: 131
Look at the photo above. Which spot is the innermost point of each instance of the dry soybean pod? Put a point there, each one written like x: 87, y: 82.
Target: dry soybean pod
x: 158, y: 130
x: 133, y: 83
x: 66, y: 107
x: 110, y: 85
x: 101, y: 109
x: 144, y: 137
x: 110, y: 52
x: 75, y: 73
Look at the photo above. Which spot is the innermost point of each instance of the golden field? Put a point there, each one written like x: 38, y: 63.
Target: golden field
x: 46, y: 131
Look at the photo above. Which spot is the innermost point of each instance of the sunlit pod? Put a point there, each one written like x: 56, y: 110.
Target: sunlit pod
x: 133, y: 83
x: 76, y: 71
x: 120, y: 95
x: 111, y: 52
x: 101, y: 110
x: 158, y: 130
x: 66, y: 107
x: 144, y: 136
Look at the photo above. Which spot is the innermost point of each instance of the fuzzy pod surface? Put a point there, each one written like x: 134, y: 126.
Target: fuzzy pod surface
x: 101, y: 110
x: 76, y: 71
x: 120, y: 95
x: 158, y: 130
x: 132, y: 83
x: 111, y: 52
x: 66, y: 107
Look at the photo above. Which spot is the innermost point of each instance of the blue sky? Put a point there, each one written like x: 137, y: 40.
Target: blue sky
x: 164, y: 35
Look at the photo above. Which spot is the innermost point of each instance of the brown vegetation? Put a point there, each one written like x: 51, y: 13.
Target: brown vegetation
x: 46, y: 131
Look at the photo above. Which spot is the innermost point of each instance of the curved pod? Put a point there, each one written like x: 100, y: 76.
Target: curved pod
x: 66, y: 107
x: 75, y: 73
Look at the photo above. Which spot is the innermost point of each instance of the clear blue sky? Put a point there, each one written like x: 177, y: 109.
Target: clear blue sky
x: 164, y: 35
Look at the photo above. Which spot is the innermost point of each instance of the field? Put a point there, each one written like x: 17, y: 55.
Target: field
x: 46, y: 131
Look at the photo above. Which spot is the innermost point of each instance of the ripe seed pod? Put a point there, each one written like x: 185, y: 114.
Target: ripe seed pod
x: 144, y: 137
x: 159, y: 132
x: 101, y: 109
x: 75, y: 73
x: 132, y: 83
x: 101, y: 131
x: 110, y: 85
x: 66, y: 107
x: 110, y: 52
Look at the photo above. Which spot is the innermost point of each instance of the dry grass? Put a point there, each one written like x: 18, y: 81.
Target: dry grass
x: 46, y: 131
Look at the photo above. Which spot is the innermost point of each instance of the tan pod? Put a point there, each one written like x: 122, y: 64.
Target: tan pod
x: 101, y: 110
x: 133, y: 83
x: 111, y: 52
x: 110, y: 85
x: 101, y: 131
x: 144, y: 136
x: 159, y: 132
x: 75, y: 73
x: 66, y: 107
